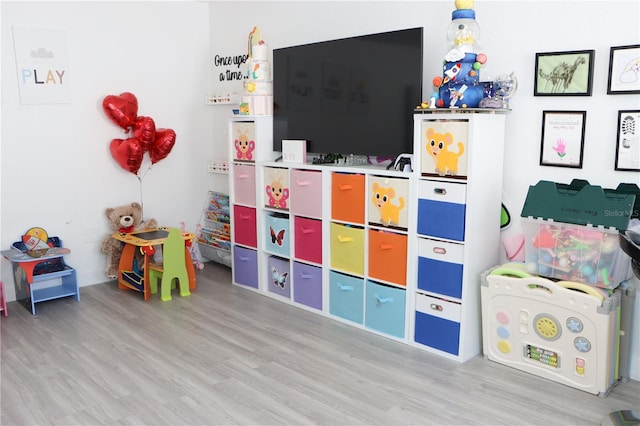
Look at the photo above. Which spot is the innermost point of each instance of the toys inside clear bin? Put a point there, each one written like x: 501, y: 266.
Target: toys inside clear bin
x: 575, y: 253
x: 572, y: 231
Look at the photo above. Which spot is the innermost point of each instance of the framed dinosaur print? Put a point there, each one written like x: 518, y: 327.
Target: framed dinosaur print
x: 564, y: 73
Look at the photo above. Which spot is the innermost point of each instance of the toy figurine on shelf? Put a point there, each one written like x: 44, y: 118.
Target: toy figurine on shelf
x: 460, y: 87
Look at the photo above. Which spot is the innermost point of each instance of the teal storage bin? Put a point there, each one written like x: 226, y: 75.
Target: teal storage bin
x: 346, y: 297
x: 385, y: 309
x: 277, y: 234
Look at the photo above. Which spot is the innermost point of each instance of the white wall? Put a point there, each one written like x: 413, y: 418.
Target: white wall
x: 57, y: 171
x: 56, y: 168
x: 512, y: 33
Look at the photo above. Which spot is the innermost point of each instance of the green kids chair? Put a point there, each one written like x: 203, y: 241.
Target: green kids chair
x: 173, y: 267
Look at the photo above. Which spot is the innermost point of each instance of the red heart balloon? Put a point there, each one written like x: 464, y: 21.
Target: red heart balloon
x: 144, y: 130
x: 162, y: 144
x: 122, y: 109
x: 128, y: 153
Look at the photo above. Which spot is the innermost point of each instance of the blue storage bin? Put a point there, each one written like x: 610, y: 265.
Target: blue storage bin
x: 277, y: 235
x: 440, y: 277
x: 346, y: 297
x: 442, y: 209
x: 385, y: 308
x: 441, y: 219
x: 437, y: 323
x: 437, y: 333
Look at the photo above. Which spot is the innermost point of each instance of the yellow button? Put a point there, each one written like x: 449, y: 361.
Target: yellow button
x: 504, y: 346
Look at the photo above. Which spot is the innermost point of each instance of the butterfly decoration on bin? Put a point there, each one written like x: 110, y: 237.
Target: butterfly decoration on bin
x: 279, y: 280
x: 276, y: 238
x: 143, y: 136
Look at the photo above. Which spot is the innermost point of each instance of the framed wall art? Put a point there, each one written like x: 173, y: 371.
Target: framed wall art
x: 39, y: 51
x: 624, y: 70
x: 562, y: 138
x: 628, y: 141
x: 564, y: 73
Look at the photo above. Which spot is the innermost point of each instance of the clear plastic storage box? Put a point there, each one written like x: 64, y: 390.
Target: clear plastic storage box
x: 571, y: 233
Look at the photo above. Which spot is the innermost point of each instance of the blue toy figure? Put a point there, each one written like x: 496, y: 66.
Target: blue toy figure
x: 460, y: 84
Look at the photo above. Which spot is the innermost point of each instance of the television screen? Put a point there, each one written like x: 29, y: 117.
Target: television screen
x: 349, y: 96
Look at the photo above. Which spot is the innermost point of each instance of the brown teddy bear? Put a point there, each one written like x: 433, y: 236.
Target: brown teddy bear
x: 124, y: 219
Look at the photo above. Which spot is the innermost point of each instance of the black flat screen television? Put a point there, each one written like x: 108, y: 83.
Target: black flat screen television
x: 349, y: 96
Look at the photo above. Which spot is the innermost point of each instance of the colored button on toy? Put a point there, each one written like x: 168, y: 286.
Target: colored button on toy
x: 503, y: 332
x: 503, y: 317
x: 504, y: 346
x: 582, y: 344
x: 574, y: 325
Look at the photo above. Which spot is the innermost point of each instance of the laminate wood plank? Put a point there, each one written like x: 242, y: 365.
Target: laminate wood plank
x: 227, y: 355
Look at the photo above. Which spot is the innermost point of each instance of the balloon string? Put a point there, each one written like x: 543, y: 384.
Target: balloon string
x: 141, y: 176
x: 141, y: 197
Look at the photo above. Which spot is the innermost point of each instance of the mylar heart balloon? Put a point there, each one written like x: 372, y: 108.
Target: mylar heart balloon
x: 162, y: 144
x: 144, y: 130
x: 122, y: 109
x: 128, y: 153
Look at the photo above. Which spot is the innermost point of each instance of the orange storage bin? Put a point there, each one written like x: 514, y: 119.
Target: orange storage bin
x: 347, y: 197
x: 388, y: 256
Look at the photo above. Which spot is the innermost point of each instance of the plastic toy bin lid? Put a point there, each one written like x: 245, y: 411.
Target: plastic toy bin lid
x: 580, y: 203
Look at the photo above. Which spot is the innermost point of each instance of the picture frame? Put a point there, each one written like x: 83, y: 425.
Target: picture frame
x: 628, y: 141
x: 562, y: 138
x: 564, y: 73
x: 624, y: 70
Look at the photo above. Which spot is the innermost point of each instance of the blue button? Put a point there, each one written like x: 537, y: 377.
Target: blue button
x: 574, y: 325
x: 503, y: 332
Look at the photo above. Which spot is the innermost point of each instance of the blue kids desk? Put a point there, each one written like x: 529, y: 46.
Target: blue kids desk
x: 38, y: 279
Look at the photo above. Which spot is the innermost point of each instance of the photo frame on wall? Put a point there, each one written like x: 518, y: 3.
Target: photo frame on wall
x: 564, y: 73
x: 628, y: 141
x: 624, y: 70
x: 562, y: 138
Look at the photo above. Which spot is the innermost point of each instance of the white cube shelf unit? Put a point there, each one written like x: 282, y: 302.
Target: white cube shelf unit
x: 358, y: 243
x: 458, y: 166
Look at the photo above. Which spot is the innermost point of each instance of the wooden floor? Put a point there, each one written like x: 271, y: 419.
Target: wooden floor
x: 227, y: 355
